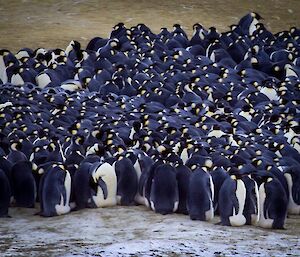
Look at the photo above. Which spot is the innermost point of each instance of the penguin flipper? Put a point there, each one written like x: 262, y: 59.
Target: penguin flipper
x: 103, y: 186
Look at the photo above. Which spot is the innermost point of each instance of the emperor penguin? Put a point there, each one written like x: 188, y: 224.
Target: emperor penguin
x: 273, y: 201
x: 104, y: 179
x: 81, y: 185
x: 127, y: 178
x: 55, y: 191
x: 183, y: 177
x: 232, y: 198
x: 251, y: 210
x: 200, y: 195
x: 164, y: 190
x: 248, y: 23
x: 24, y: 186
x: 292, y: 176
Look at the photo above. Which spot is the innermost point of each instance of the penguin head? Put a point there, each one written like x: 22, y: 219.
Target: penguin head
x: 137, y: 125
x: 262, y: 177
x: 234, y: 173
x: 256, y: 15
x: 16, y: 146
x: 78, y: 139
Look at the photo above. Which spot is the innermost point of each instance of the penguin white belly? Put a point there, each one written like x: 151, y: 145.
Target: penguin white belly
x: 71, y: 86
x: 252, y: 27
x: 239, y: 219
x: 132, y: 131
x: 232, y: 141
x: 184, y: 155
x: 68, y: 186
x: 92, y: 150
x: 61, y: 208
x: 175, y: 206
x: 246, y: 115
x: 210, y: 97
x: 216, y: 133
x: 152, y: 205
x: 212, y: 56
x: 293, y: 208
x: 138, y: 198
x: 270, y: 93
x: 297, y: 146
x: 43, y: 80
x: 212, y: 188
x: 290, y: 135
x: 138, y: 170
x: 17, y: 80
x: 209, y: 215
x: 263, y: 222
x: 289, y: 72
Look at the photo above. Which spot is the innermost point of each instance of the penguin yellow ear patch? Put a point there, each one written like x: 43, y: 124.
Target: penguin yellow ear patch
x: 61, y: 166
x: 194, y: 167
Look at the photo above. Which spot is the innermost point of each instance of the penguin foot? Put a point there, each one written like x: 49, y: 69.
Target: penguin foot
x: 219, y: 223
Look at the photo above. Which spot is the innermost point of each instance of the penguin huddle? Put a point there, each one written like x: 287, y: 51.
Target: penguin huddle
x: 202, y: 126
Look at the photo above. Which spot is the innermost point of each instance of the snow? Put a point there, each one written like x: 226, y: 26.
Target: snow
x: 127, y: 231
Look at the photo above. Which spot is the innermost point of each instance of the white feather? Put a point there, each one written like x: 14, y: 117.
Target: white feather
x: 43, y: 80
x: 17, y: 80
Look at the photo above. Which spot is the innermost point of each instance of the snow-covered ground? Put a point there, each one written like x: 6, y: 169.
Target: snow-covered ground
x: 136, y: 231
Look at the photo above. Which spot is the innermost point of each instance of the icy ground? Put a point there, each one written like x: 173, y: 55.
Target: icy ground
x: 136, y: 231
